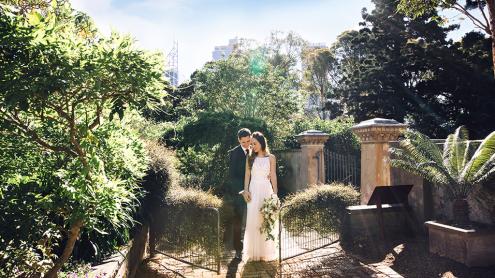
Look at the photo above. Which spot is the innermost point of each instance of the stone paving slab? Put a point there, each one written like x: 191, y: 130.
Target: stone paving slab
x: 330, y: 261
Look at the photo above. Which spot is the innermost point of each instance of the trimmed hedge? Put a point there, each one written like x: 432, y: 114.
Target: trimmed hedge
x: 319, y: 208
x: 188, y: 221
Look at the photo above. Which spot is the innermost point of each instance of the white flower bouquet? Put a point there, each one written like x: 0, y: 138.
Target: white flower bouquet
x: 269, y: 211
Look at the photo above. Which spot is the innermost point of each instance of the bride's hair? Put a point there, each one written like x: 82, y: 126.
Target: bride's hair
x: 264, y: 147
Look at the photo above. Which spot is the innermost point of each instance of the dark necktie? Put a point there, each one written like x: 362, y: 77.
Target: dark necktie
x: 246, y: 151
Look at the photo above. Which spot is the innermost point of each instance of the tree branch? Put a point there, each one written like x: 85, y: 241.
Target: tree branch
x: 74, y: 140
x: 483, y: 13
x: 14, y: 120
x: 475, y: 21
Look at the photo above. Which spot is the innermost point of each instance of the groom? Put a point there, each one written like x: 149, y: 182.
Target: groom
x: 237, y: 170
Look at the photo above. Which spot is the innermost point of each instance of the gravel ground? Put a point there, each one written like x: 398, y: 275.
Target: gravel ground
x: 411, y: 258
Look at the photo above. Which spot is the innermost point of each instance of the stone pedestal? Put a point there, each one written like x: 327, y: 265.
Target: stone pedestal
x: 360, y: 224
x: 312, y: 167
x: 472, y: 247
x: 375, y: 136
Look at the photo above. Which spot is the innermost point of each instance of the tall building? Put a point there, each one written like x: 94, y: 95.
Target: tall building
x: 316, y: 45
x: 172, y: 67
x: 224, y: 51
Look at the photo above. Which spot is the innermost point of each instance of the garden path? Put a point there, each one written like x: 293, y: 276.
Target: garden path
x: 330, y: 261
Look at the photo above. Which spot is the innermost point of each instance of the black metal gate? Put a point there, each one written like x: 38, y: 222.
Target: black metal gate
x: 191, y: 236
x: 344, y: 168
x: 300, y: 234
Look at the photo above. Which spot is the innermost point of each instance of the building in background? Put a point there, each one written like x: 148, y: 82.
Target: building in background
x: 224, y: 51
x: 172, y: 67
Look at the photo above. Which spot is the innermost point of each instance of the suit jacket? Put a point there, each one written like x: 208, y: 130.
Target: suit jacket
x: 237, y: 171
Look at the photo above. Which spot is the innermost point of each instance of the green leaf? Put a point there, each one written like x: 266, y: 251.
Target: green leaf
x: 34, y: 18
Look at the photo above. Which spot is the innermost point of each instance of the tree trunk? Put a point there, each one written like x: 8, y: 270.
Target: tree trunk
x: 460, y: 209
x: 491, y: 15
x: 69, y: 245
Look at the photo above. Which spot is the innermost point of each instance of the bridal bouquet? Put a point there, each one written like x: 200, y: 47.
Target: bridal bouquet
x: 269, y: 211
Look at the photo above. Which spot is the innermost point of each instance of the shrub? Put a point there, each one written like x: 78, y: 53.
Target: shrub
x: 342, y: 139
x: 160, y: 177
x: 188, y: 221
x: 320, y: 208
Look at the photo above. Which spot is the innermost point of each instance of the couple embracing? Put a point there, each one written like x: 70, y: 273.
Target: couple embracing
x: 252, y: 172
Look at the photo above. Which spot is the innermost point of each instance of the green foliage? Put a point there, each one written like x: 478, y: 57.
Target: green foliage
x: 342, y: 139
x: 406, y: 69
x: 248, y: 86
x: 320, y: 208
x: 161, y: 176
x: 194, y: 214
x: 319, y: 78
x: 269, y: 212
x: 455, y: 168
x: 38, y: 202
x: 204, y: 143
x: 60, y: 85
x: 188, y: 197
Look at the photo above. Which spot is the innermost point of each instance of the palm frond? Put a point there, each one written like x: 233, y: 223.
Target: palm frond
x: 430, y: 170
x: 468, y: 153
x: 484, y: 173
x: 447, y: 152
x: 480, y: 157
x: 420, y: 146
x: 458, y: 149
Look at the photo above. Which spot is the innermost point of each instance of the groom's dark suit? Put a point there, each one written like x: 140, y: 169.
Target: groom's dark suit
x: 237, y: 170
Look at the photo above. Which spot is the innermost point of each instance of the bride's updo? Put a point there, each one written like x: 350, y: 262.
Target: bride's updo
x: 264, y: 147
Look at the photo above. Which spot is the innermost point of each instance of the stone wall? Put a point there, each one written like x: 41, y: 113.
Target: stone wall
x: 482, y: 211
x: 292, y: 164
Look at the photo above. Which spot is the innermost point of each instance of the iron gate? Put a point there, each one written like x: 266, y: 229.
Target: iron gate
x: 303, y: 233
x: 191, y: 236
x: 344, y: 168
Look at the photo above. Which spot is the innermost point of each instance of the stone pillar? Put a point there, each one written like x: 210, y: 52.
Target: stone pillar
x: 312, y: 167
x: 375, y: 135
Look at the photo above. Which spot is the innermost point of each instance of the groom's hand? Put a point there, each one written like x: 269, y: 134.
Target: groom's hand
x: 247, y: 196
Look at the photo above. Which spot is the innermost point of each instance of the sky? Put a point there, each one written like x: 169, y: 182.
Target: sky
x: 200, y: 25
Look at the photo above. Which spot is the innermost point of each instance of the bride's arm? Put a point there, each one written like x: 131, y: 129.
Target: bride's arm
x: 273, y: 173
x: 247, y: 177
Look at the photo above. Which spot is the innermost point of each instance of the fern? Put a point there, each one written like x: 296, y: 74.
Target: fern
x: 454, y: 167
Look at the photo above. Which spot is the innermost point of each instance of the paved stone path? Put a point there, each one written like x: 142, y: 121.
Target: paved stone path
x: 330, y: 261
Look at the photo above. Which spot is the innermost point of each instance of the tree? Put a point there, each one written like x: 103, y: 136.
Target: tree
x: 246, y: 85
x: 486, y: 23
x: 319, y: 74
x: 380, y: 64
x: 384, y: 70
x: 284, y: 51
x: 60, y: 85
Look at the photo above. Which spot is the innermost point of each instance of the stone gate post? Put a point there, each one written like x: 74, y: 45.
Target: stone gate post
x: 375, y: 135
x: 312, y: 167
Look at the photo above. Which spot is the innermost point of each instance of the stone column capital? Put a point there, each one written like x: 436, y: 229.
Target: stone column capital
x: 312, y: 137
x: 379, y: 130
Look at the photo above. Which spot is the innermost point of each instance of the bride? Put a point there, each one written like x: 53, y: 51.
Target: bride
x: 260, y: 183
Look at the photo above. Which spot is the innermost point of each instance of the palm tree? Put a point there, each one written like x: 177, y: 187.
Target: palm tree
x: 455, y: 168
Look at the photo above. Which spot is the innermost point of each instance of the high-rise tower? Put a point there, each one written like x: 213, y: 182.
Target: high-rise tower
x: 172, y: 68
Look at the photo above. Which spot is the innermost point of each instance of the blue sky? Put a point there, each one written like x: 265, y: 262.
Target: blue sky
x: 199, y: 25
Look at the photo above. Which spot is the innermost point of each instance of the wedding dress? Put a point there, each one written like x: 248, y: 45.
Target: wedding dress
x: 256, y: 246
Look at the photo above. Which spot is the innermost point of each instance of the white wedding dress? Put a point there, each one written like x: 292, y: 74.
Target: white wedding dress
x: 256, y: 247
